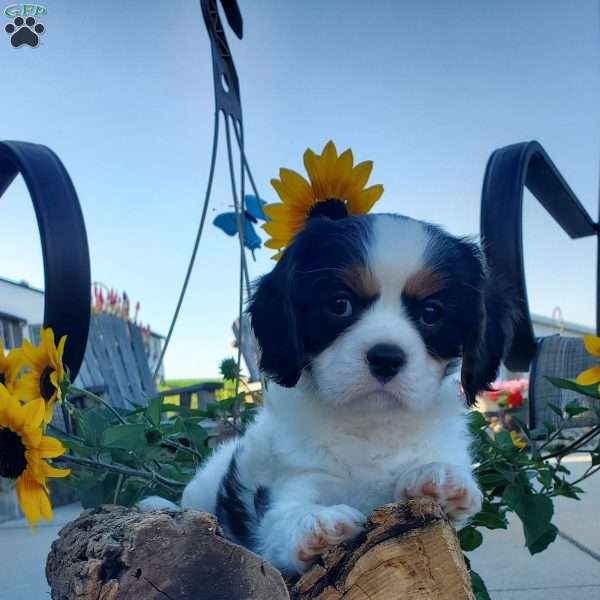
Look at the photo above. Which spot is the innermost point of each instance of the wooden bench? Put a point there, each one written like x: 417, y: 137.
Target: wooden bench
x: 115, y: 366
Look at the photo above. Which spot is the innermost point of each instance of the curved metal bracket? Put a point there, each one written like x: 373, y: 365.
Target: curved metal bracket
x: 509, y: 170
x: 227, y: 88
x: 64, y: 242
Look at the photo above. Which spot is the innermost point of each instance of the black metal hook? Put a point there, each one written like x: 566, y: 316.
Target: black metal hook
x: 508, y: 172
x: 64, y: 242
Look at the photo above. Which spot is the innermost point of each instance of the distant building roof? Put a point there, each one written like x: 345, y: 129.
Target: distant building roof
x: 583, y: 329
x: 21, y: 284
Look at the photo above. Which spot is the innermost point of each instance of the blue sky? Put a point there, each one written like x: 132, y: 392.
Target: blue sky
x: 122, y: 91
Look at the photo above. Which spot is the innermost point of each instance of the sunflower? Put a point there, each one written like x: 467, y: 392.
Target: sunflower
x: 23, y: 448
x: 46, y: 372
x: 592, y: 375
x: 10, y: 365
x: 333, y: 180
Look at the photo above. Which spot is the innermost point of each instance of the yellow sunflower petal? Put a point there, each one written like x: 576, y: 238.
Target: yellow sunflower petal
x: 589, y: 376
x: 279, y: 230
x: 361, y: 173
x: 365, y: 201
x: 298, y: 188
x: 33, y: 414
x: 29, y: 494
x: 592, y: 344
x: 293, y: 189
x: 50, y: 471
x: 56, y: 381
x: 275, y: 243
x: 60, y: 349
x: 32, y: 438
x: 27, y: 388
x: 31, y: 355
x: 283, y: 213
x: 315, y: 173
x: 45, y: 506
x: 49, y: 447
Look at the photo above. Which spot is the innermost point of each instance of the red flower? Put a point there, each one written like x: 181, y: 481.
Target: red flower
x: 515, y: 400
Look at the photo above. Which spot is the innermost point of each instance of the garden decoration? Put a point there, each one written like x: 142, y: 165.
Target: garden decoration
x: 253, y: 212
x: 228, y: 105
x: 63, y: 241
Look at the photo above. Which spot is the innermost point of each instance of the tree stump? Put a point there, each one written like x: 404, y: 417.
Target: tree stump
x: 407, y: 552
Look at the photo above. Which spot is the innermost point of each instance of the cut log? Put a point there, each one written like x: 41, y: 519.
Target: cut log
x: 116, y: 553
x: 407, y: 552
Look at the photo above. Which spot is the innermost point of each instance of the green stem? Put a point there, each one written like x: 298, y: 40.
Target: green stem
x: 574, y: 445
x: 178, y: 446
x: 118, y: 487
x: 98, y: 399
x: 170, y: 484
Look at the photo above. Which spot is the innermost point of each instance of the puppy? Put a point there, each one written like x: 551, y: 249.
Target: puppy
x: 361, y: 325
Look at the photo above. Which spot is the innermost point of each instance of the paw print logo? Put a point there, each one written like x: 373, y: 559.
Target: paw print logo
x: 24, y: 31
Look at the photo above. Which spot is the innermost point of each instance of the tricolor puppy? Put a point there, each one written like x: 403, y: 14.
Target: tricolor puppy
x: 361, y: 325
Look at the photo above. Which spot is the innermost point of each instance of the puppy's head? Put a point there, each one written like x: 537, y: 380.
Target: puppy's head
x: 374, y: 310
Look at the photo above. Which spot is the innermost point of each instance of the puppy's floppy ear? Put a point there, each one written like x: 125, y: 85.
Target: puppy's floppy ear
x: 276, y: 324
x: 487, y: 341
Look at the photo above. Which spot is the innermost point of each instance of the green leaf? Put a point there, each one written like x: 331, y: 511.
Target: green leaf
x: 544, y: 476
x: 550, y: 427
x: 555, y: 409
x: 504, y: 440
x: 98, y: 491
x: 129, y: 437
x: 469, y: 538
x: 568, y: 384
x: 153, y: 410
x: 477, y: 420
x: 489, y: 516
x: 573, y: 409
x: 229, y: 369
x: 535, y: 512
x: 544, y: 540
x: 79, y: 449
x: 153, y: 436
x: 91, y: 424
x: 196, y: 434
x: 478, y: 586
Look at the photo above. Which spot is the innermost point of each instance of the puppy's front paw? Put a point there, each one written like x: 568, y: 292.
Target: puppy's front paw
x: 324, y: 528
x: 452, y: 487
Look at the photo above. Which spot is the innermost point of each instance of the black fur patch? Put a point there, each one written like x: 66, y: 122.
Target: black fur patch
x: 261, y: 501
x: 233, y: 515
x: 457, y: 264
x: 289, y: 309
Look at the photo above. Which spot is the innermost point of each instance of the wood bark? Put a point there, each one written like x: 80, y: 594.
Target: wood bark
x: 407, y: 552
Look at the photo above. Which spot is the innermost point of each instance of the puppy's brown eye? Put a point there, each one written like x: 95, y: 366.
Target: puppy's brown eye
x: 340, y: 306
x: 432, y: 311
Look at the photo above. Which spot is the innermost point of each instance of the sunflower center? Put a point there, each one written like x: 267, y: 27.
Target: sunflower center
x: 12, y: 454
x: 47, y: 388
x: 332, y: 208
x: 2, y: 378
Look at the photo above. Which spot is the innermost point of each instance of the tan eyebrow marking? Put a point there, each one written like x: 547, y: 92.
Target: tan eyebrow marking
x: 423, y: 283
x: 361, y: 281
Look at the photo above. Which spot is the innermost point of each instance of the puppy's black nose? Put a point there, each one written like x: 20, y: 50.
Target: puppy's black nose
x: 385, y: 360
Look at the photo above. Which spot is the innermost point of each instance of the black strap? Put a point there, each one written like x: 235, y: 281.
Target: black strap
x: 64, y: 242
